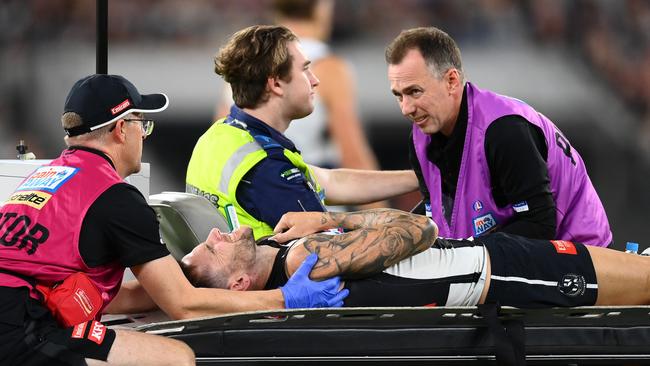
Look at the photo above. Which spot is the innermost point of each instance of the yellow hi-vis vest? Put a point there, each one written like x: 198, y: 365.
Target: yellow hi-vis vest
x: 221, y: 158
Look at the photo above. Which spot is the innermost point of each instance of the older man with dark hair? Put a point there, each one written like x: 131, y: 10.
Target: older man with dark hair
x: 488, y: 162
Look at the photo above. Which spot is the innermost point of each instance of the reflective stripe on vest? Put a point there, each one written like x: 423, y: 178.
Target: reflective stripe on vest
x: 234, y: 161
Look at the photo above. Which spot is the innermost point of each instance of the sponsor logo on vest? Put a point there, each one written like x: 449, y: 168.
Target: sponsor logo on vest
x: 290, y: 174
x: 120, y: 107
x: 520, y: 206
x: 81, y: 298
x: 572, y: 285
x: 213, y: 198
x: 48, y: 178
x: 97, y: 332
x: 266, y: 141
x: 33, y: 199
x: 483, y: 224
x: 79, y: 330
x: 477, y: 206
x: 564, y: 247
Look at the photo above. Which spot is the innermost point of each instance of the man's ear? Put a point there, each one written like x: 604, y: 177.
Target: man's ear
x: 452, y: 77
x: 118, y: 132
x: 274, y: 85
x: 241, y: 283
x: 214, y: 235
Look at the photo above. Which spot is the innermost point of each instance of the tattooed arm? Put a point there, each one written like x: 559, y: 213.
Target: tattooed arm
x: 377, y: 239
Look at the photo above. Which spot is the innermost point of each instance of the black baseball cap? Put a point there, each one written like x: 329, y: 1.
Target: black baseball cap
x: 102, y: 99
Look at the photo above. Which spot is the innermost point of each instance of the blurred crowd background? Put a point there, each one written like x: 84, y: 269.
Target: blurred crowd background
x: 583, y: 63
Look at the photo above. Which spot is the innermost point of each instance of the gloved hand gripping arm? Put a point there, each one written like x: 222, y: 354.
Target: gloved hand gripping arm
x: 302, y: 292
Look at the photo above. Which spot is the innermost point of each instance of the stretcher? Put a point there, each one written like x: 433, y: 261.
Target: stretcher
x: 485, y: 334
x: 411, y: 336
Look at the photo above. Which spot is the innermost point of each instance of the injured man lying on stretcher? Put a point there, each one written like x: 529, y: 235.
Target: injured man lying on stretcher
x: 394, y: 258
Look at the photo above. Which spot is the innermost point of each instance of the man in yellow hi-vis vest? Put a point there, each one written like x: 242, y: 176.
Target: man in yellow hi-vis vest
x: 244, y: 160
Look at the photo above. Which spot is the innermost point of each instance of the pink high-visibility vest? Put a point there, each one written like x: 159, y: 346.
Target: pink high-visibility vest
x: 41, y: 222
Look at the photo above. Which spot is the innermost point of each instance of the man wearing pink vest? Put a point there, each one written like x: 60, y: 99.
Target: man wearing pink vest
x: 488, y: 162
x: 78, y: 215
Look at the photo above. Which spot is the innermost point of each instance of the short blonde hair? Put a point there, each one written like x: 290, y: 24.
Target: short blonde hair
x: 72, y: 119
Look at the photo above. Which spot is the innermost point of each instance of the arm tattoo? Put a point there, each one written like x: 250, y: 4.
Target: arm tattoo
x: 378, y: 239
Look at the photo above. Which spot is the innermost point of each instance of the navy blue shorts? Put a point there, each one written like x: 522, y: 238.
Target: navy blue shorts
x: 530, y: 273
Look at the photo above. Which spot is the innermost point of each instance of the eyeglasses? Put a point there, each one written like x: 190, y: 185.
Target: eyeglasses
x: 146, y: 124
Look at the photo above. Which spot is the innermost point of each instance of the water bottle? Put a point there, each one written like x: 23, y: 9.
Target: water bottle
x: 631, y: 247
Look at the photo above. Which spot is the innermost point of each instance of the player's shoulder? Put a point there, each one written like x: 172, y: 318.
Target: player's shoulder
x: 331, y: 64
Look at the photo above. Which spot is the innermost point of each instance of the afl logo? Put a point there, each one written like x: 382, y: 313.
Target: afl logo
x: 477, y: 206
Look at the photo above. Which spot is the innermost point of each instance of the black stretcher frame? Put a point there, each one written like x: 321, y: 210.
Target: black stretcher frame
x: 414, y: 336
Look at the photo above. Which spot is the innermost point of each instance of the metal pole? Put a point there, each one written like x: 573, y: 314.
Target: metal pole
x: 102, y: 37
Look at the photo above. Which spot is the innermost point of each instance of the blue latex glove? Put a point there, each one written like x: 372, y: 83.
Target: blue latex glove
x: 301, y: 292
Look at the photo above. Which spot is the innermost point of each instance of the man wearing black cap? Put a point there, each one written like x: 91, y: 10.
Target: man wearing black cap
x: 75, y: 225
